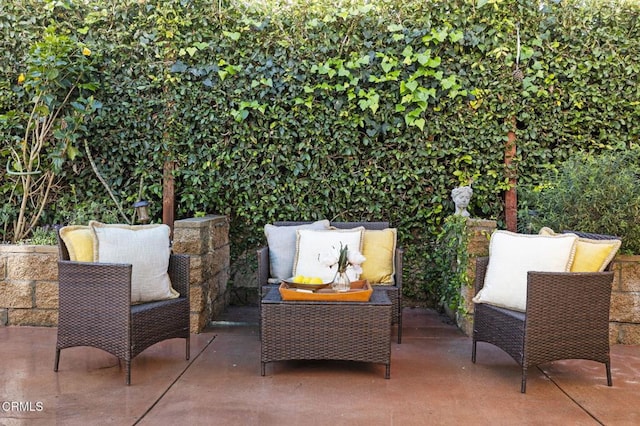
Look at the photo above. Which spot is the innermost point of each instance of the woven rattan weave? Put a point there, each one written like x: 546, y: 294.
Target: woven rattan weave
x: 351, y: 331
x: 393, y: 291
x: 95, y: 309
x: 567, y: 317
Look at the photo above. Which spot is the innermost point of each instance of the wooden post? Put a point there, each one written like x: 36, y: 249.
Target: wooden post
x: 510, y: 197
x: 168, y: 194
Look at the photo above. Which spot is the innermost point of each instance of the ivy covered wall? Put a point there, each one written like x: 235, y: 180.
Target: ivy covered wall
x: 349, y: 110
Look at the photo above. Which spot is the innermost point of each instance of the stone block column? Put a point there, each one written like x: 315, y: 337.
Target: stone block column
x: 206, y: 241
x: 624, y: 314
x: 480, y: 231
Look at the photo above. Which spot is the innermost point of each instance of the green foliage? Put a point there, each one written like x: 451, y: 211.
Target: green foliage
x: 449, y: 258
x: 56, y: 85
x: 304, y: 110
x: 42, y: 236
x: 599, y: 194
x: 70, y: 211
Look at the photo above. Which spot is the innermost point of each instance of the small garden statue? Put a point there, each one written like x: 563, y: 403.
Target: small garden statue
x: 461, y: 197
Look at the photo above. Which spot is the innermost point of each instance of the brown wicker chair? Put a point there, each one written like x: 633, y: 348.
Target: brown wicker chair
x: 393, y: 291
x: 95, y: 309
x: 567, y: 317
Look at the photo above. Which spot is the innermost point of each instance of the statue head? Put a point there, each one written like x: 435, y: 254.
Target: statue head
x: 461, y: 197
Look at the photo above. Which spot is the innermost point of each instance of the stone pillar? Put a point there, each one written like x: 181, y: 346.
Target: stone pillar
x: 624, y: 316
x: 206, y: 241
x: 480, y: 231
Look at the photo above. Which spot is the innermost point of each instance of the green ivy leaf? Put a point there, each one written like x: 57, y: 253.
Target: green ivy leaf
x: 235, y: 36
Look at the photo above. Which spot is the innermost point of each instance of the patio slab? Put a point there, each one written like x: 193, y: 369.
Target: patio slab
x: 432, y: 382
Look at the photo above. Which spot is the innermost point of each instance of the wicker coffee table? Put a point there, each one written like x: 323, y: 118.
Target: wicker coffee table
x: 350, y: 331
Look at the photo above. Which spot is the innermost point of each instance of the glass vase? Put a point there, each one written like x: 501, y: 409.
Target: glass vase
x: 341, y: 282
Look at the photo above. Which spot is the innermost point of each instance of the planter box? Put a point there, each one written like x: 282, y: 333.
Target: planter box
x: 29, y: 285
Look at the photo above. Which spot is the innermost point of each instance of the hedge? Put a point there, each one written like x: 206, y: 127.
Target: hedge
x: 355, y: 110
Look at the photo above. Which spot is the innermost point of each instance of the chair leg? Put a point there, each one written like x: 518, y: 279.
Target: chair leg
x: 608, y: 367
x: 128, y: 371
x: 55, y: 366
x: 523, y: 387
x: 400, y: 327
x: 473, y: 351
x: 188, y: 348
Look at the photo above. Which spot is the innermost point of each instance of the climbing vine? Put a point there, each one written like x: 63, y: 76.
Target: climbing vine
x: 450, y: 260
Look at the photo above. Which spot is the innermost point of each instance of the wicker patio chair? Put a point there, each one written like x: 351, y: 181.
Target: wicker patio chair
x: 566, y: 317
x: 95, y: 309
x: 394, y: 291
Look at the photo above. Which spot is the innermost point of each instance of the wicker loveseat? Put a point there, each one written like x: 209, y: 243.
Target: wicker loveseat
x: 566, y: 317
x: 394, y: 291
x: 96, y: 309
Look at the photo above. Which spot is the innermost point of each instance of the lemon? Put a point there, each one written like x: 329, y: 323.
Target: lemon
x: 315, y: 280
x: 298, y: 279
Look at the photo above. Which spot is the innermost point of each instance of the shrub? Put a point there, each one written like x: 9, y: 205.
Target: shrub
x: 598, y: 194
x: 42, y: 236
x: 52, y: 106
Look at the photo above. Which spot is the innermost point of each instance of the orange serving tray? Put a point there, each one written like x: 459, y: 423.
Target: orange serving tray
x: 360, y: 292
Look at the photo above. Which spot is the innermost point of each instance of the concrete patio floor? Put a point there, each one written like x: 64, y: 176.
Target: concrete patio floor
x: 433, y: 382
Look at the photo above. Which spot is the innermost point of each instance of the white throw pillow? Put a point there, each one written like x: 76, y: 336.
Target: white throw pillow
x: 313, y: 244
x: 512, y: 255
x: 147, y: 248
x: 282, y: 247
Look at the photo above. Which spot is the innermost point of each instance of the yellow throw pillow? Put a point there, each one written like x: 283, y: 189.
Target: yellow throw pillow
x: 546, y: 231
x: 379, y: 248
x: 591, y: 255
x: 79, y: 242
x: 594, y: 255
